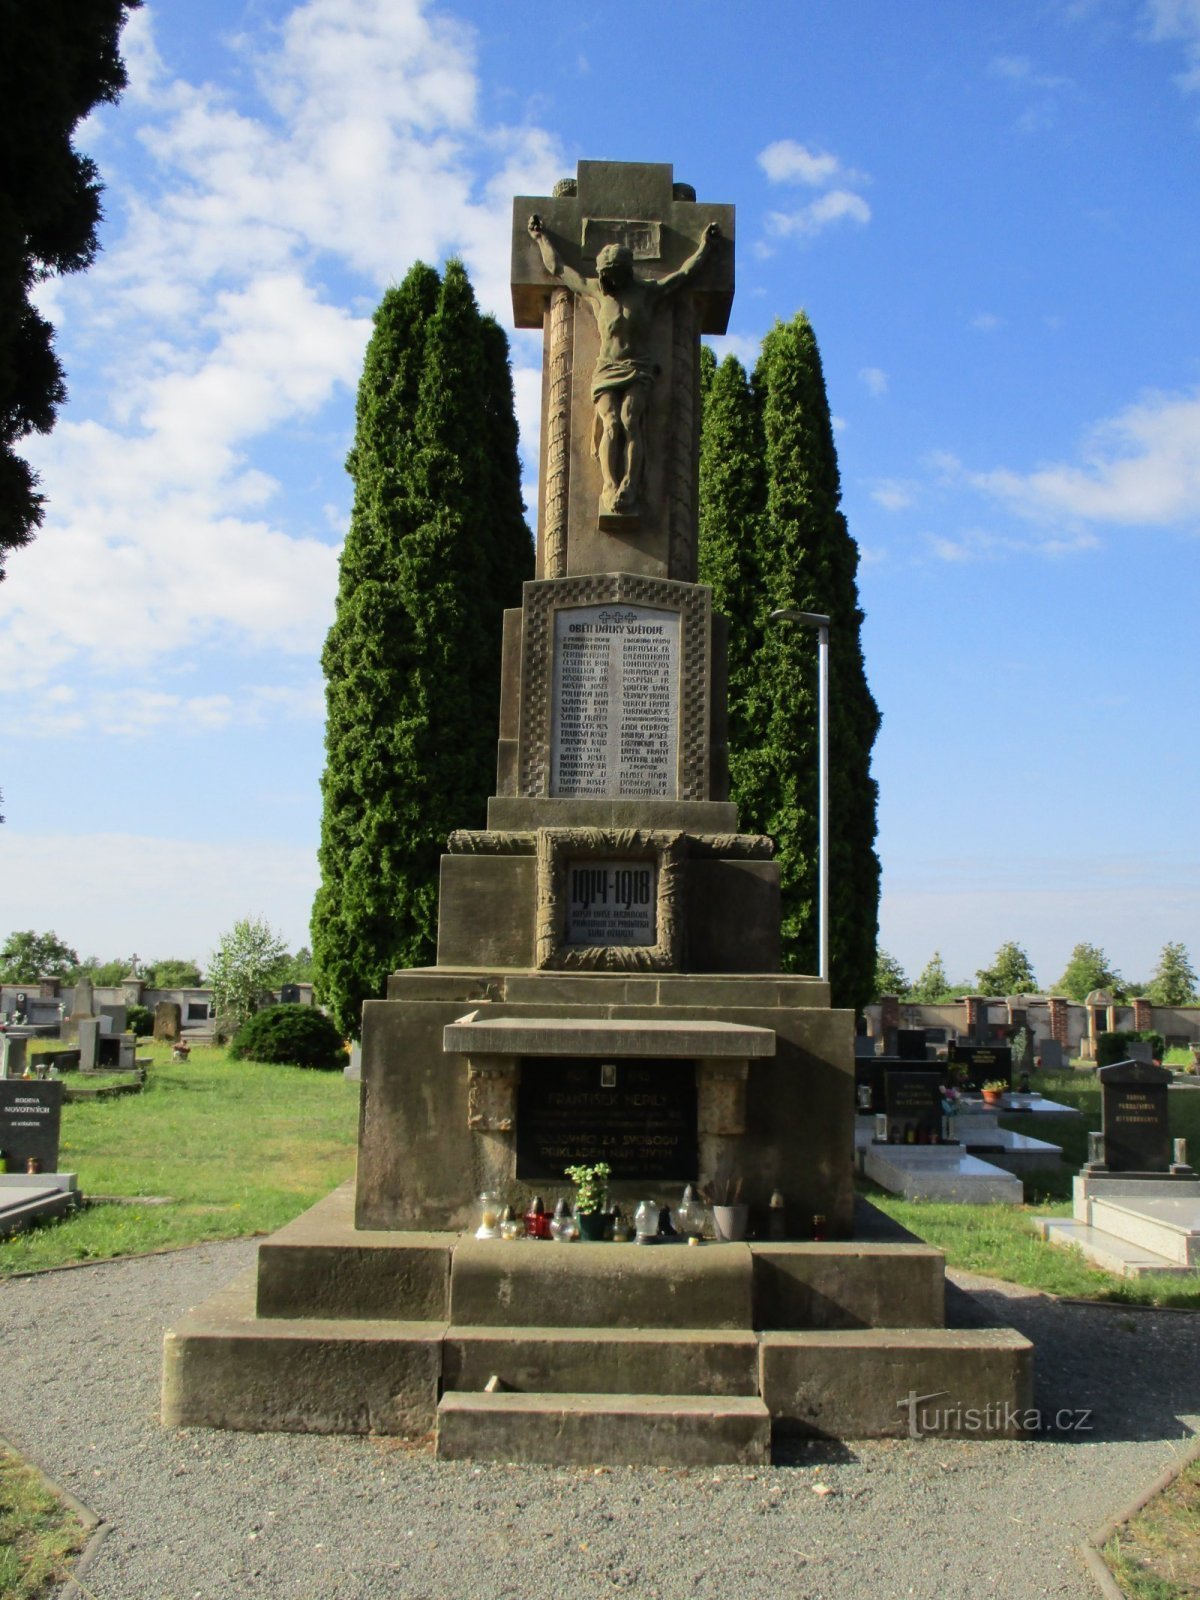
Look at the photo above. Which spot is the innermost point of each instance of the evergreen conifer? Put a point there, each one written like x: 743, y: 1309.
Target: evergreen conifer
x: 437, y: 548
x: 778, y: 523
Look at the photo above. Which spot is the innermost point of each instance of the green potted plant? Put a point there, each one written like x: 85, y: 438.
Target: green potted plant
x: 591, y: 1191
x: 993, y: 1089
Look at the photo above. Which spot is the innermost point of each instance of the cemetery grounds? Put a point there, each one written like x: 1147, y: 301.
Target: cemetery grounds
x: 216, y: 1149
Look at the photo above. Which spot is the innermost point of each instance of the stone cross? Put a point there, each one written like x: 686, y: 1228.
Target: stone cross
x: 620, y: 388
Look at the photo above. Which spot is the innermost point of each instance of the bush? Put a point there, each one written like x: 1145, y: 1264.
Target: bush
x: 298, y: 1036
x: 139, y: 1020
x: 1111, y: 1047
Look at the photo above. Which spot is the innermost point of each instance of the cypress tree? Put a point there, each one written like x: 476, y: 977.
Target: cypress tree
x: 732, y: 493
x: 773, y: 536
x: 437, y: 547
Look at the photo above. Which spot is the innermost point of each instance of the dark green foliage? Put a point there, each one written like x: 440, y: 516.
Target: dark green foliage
x: 890, y: 977
x: 1174, y: 980
x: 139, y: 1020
x: 732, y: 500
x: 27, y: 956
x: 298, y: 1036
x: 174, y: 972
x: 58, y: 60
x: 1089, y: 969
x: 1011, y: 972
x: 1114, y: 1046
x: 437, y: 548
x: 772, y: 536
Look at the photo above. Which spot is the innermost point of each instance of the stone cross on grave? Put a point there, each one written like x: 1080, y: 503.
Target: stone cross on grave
x: 623, y: 270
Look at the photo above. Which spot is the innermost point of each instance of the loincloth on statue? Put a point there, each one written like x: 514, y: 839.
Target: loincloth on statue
x: 615, y: 375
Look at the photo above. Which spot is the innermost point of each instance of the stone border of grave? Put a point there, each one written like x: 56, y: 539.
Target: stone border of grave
x: 94, y: 1525
x: 1090, y: 1551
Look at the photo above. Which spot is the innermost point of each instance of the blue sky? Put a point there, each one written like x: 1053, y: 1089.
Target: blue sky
x: 992, y: 216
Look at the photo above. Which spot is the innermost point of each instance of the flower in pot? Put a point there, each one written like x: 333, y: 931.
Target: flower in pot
x: 591, y: 1190
x: 993, y: 1089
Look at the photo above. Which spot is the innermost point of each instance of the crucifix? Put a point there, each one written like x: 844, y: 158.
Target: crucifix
x: 620, y: 383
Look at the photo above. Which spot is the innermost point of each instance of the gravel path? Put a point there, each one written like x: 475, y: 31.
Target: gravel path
x: 196, y: 1514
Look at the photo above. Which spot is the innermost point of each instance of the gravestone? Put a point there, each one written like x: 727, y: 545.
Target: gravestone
x: 910, y: 1044
x: 984, y: 1063
x: 30, y: 1115
x: 12, y: 1055
x: 88, y: 1033
x: 913, y: 1103
x: 1134, y: 1119
x: 864, y: 1047
x: 83, y: 1002
x: 1139, y: 1050
x: 167, y: 1020
x: 289, y: 994
x: 1051, y: 1052
x: 118, y: 1016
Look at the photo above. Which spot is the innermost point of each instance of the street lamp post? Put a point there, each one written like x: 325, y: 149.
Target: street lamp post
x: 817, y: 620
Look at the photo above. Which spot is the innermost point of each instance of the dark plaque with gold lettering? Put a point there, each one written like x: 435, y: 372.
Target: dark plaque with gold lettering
x: 639, y: 1116
x: 1133, y: 1112
x: 30, y: 1113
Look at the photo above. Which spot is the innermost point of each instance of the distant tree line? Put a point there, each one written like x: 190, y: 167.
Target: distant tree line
x: 26, y: 956
x: 1173, y: 982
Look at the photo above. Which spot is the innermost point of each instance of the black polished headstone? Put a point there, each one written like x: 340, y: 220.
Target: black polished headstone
x: 638, y: 1116
x: 289, y: 994
x: 910, y: 1044
x: 985, y: 1063
x: 914, y: 1107
x: 1133, y: 1116
x: 1051, y: 1053
x: 30, y: 1115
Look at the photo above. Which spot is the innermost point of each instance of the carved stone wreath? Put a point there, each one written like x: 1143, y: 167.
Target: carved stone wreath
x: 559, y: 847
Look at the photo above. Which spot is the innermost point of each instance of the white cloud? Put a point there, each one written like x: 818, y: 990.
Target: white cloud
x: 978, y: 544
x: 987, y: 322
x: 876, y: 381
x: 894, y: 495
x: 1140, y: 467
x: 167, y: 528
x: 1020, y: 70
x: 747, y: 347
x: 1177, y: 20
x: 785, y: 161
x: 839, y: 205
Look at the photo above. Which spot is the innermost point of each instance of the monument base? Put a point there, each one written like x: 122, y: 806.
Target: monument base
x: 535, y: 1351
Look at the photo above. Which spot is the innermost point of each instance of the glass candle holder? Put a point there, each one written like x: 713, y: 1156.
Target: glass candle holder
x: 1095, y: 1148
x: 562, y: 1225
x: 537, y: 1222
x: 645, y: 1222
x: 489, y: 1215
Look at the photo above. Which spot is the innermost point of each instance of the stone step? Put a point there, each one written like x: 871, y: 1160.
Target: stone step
x: 610, y: 1429
x: 223, y: 1367
x: 965, y: 1180
x: 602, y: 1360
x: 1108, y: 1251
x: 31, y: 1201
x: 870, y: 1383
x: 1159, y: 1224
x: 543, y: 1285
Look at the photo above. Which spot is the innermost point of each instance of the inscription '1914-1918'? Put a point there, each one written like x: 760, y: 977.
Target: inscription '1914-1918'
x: 611, y: 902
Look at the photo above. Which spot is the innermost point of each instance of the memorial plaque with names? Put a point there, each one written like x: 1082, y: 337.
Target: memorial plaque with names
x: 30, y: 1115
x: 985, y: 1063
x: 1133, y: 1115
x: 611, y: 902
x: 639, y: 1116
x: 914, y: 1107
x: 615, y: 730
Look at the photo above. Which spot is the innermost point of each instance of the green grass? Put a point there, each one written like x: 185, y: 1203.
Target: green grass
x: 238, y: 1147
x: 38, y: 1533
x: 1157, y: 1555
x: 998, y: 1240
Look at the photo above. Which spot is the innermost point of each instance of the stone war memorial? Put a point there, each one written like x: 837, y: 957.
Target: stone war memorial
x: 608, y: 989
